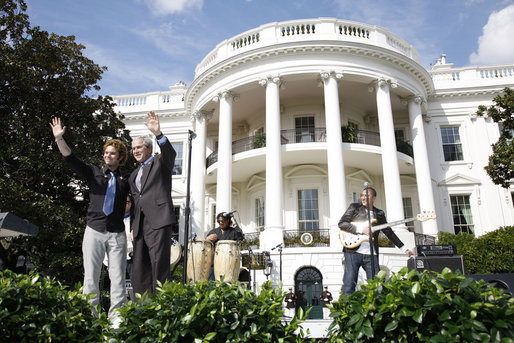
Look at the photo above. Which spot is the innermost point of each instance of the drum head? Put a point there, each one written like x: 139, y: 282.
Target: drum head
x: 175, y: 253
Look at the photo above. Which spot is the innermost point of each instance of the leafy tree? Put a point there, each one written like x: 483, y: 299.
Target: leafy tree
x: 501, y: 162
x: 44, y: 75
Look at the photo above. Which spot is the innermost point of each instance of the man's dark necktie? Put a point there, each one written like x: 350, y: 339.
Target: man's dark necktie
x: 110, y: 194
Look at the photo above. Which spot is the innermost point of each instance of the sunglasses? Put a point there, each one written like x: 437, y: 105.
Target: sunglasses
x: 221, y: 221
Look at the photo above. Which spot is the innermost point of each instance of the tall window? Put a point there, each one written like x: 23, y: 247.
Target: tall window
x: 461, y: 211
x: 259, y: 212
x: 407, y: 210
x: 308, y: 213
x: 304, y: 129
x: 177, y: 168
x: 452, y: 145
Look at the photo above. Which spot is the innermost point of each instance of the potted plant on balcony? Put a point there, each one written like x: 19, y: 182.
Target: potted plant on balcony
x: 259, y: 140
x: 348, y: 134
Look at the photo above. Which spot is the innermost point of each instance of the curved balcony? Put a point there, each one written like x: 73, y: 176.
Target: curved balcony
x: 317, y: 135
x: 318, y: 30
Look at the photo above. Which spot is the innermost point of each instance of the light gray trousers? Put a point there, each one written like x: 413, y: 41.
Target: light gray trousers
x: 95, y: 246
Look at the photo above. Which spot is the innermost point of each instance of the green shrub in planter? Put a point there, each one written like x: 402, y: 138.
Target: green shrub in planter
x: 492, y: 253
x: 36, y: 309
x: 208, y: 312
x: 424, y: 307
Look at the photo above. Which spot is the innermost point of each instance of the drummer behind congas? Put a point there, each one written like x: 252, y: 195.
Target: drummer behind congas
x: 224, y: 231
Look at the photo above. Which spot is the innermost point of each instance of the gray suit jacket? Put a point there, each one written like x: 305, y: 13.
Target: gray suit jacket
x: 154, y: 199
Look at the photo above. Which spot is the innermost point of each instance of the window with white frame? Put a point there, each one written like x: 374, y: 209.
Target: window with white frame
x: 461, y: 212
x: 259, y: 212
x: 304, y: 127
x: 177, y: 168
x: 452, y: 145
x: 408, y: 212
x: 308, y: 210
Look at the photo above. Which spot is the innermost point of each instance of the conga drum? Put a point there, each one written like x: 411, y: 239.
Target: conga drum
x: 175, y: 253
x: 199, y: 260
x: 227, y: 260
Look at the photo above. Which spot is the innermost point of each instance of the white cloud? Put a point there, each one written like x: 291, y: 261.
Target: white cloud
x: 163, y: 7
x: 495, y: 45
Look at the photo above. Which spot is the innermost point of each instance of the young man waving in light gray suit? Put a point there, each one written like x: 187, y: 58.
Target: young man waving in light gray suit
x: 150, y: 186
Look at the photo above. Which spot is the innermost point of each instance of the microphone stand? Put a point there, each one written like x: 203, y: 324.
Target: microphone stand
x: 250, y: 253
x: 187, y: 209
x: 371, y: 245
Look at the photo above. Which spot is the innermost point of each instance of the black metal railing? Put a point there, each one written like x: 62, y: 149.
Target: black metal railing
x: 292, y: 239
x: 318, y: 135
x: 422, y: 239
x: 320, y: 238
x: 252, y: 239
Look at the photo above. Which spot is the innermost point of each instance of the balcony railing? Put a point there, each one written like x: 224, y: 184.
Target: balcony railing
x: 320, y: 238
x: 317, y: 135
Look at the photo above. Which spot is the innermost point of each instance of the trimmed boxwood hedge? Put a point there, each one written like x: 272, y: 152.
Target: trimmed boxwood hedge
x: 492, y: 253
x: 424, y: 307
x: 38, y: 309
x: 208, y: 312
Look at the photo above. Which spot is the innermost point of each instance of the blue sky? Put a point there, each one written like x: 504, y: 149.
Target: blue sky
x: 149, y: 45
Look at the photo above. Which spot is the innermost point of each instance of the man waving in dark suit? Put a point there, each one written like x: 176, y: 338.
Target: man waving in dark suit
x: 153, y: 211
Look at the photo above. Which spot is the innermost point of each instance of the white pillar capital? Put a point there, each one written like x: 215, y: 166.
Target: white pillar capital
x: 417, y: 99
x: 382, y: 82
x: 226, y: 94
x: 325, y: 75
x: 276, y: 79
x: 201, y: 115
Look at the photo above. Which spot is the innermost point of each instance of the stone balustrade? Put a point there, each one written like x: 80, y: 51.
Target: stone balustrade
x: 321, y: 29
x: 470, y: 76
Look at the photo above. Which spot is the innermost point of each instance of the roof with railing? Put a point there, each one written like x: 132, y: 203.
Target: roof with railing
x: 320, y: 29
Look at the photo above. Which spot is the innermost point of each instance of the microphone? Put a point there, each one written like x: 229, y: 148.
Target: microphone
x: 366, y: 184
x: 228, y: 214
x: 192, y: 134
x: 276, y: 247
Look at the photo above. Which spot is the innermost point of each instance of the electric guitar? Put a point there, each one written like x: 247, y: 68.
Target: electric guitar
x: 353, y: 240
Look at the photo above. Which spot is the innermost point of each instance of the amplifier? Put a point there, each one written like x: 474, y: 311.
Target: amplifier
x: 436, y: 263
x: 437, y: 250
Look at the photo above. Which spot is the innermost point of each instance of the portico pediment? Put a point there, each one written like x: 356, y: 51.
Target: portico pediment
x: 458, y: 180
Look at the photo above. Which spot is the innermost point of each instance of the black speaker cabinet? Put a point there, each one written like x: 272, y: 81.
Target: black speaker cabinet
x: 436, y: 263
x: 502, y: 281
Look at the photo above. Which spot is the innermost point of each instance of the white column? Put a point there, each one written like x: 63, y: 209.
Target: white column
x: 224, y: 170
x: 392, y: 185
x: 198, y: 173
x: 335, y: 162
x: 421, y: 164
x: 273, y: 218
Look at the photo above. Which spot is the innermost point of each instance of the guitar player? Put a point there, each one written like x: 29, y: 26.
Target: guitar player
x: 357, y: 257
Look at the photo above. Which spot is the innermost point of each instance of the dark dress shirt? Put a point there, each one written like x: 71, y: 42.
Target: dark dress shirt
x: 97, y: 179
x: 232, y: 234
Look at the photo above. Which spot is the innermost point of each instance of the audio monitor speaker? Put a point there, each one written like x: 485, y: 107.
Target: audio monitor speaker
x: 502, y: 281
x: 436, y: 263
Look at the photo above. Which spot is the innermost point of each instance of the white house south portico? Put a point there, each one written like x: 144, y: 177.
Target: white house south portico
x: 291, y: 118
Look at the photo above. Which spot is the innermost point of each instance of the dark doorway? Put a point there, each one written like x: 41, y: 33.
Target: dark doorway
x: 308, y: 286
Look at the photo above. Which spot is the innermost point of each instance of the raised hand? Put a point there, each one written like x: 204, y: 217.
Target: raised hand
x: 57, y: 128
x: 153, y: 123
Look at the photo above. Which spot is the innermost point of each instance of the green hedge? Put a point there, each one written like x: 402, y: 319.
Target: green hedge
x: 424, y: 307
x: 491, y: 253
x: 208, y: 312
x: 36, y: 309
